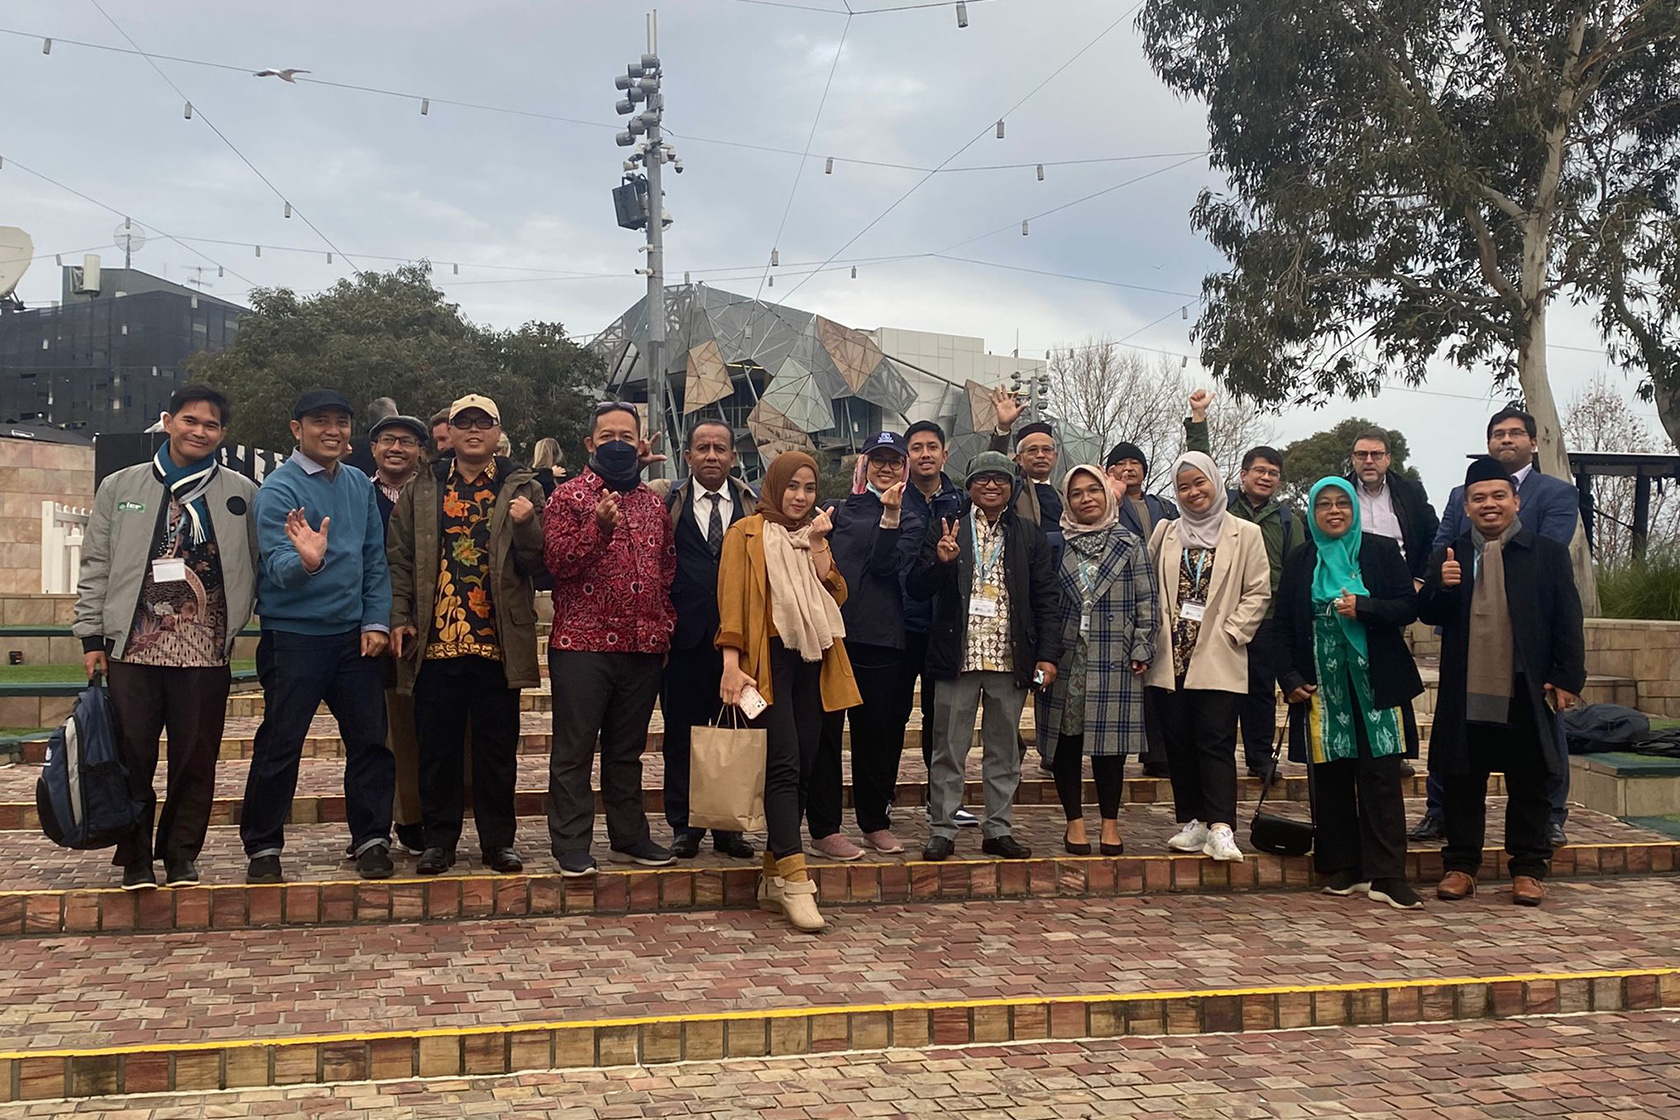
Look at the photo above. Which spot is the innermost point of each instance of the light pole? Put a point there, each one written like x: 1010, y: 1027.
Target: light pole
x: 639, y: 203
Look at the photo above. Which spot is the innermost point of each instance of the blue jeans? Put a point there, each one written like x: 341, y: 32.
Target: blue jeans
x: 1557, y: 785
x: 298, y: 672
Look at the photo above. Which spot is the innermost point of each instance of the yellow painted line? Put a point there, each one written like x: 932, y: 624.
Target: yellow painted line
x: 850, y: 1009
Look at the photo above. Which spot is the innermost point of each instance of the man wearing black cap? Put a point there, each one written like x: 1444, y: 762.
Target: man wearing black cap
x: 874, y: 541
x: 324, y: 597
x: 1512, y: 656
x: 397, y: 442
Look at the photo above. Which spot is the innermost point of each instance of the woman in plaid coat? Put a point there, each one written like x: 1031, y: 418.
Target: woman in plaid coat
x: 1108, y: 624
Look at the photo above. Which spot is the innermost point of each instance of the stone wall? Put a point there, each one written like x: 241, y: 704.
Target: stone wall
x: 32, y: 472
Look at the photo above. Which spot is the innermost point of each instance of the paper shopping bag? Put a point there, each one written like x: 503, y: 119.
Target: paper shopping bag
x: 726, y: 777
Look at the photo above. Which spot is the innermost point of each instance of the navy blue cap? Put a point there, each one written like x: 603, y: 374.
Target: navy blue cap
x: 317, y: 399
x: 887, y: 441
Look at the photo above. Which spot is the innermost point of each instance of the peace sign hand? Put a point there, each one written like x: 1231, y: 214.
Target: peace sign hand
x: 947, y: 547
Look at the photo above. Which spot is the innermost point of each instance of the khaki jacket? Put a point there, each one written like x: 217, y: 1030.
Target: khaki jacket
x: 411, y: 547
x: 1238, y: 596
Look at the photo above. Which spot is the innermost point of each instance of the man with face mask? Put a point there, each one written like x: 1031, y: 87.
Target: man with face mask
x: 609, y: 546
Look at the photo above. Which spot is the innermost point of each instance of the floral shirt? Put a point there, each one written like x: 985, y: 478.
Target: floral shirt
x: 463, y: 617
x: 612, y: 590
x: 987, y: 646
x: 1195, y: 578
x: 180, y: 623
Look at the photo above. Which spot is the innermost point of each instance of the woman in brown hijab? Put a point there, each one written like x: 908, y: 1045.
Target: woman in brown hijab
x: 779, y: 597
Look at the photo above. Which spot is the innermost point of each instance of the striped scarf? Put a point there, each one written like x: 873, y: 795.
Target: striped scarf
x: 187, y: 485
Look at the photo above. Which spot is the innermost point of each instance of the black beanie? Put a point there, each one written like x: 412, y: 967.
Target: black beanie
x: 1485, y: 468
x: 1124, y: 450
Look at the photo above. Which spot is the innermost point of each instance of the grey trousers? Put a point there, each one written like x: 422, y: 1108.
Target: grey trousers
x: 954, y: 705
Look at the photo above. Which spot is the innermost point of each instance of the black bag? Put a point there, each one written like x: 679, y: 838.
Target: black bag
x: 1269, y: 832
x: 82, y: 794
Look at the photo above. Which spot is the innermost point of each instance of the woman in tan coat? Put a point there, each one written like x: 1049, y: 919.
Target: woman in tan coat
x: 1213, y: 580
x: 779, y: 597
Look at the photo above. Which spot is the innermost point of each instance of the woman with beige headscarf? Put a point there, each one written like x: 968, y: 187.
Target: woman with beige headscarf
x: 779, y: 597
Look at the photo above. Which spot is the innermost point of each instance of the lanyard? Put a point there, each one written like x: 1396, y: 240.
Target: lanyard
x: 1201, y: 566
x: 984, y: 567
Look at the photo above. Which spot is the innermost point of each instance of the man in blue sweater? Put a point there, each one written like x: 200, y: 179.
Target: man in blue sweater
x: 324, y: 598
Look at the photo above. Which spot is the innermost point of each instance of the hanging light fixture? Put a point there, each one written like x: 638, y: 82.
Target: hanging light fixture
x: 772, y: 281
x: 854, y: 272
x: 962, y: 15
x: 425, y: 106
x: 456, y: 269
x: 329, y: 258
x: 58, y: 259
x: 1000, y: 129
x: 775, y: 258
x: 186, y: 111
x: 258, y: 249
x: 1184, y: 312
x: 46, y: 46
x: 1184, y: 361
x: 288, y: 209
x: 829, y: 168
x: 1023, y: 227
x: 1041, y: 173
x: 687, y: 279
x: 220, y: 272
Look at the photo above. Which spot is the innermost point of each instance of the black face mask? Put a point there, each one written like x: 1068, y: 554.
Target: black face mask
x: 618, y: 464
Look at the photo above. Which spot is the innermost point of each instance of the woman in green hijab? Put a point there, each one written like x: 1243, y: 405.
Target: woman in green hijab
x: 1344, y: 601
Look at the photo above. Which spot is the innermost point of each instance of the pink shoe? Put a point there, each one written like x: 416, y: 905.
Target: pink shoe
x: 837, y: 847
x: 883, y: 841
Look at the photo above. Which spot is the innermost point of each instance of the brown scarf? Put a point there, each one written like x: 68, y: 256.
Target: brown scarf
x: 1492, y: 663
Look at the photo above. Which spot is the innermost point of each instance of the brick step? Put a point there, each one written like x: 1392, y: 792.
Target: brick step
x: 47, y: 890
x: 285, y: 1007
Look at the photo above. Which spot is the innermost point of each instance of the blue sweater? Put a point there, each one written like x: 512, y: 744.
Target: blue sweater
x: 352, y: 588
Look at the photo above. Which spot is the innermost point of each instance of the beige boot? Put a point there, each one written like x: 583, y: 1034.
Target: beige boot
x: 796, y: 894
x: 768, y: 898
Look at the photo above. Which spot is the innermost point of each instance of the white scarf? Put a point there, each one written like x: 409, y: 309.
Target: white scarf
x: 806, y: 616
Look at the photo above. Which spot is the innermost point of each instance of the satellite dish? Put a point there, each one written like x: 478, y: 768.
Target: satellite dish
x: 16, y: 249
x: 130, y: 238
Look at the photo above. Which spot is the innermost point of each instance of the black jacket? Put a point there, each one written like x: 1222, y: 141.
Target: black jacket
x: 871, y: 559
x: 1545, y: 611
x: 1035, y: 597
x: 1418, y: 522
x: 1386, y: 612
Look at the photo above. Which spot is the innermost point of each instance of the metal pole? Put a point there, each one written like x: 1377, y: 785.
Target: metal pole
x: 656, y: 292
x: 1641, y: 513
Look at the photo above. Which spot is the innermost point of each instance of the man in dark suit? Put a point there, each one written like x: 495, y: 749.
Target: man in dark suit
x: 702, y: 508
x: 1551, y: 509
x: 1512, y: 655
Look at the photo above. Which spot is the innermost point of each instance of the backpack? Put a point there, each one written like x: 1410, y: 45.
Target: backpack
x: 82, y: 796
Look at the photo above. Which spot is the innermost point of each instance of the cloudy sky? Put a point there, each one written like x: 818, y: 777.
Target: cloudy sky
x: 507, y: 176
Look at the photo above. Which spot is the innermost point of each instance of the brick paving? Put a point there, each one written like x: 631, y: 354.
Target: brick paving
x: 1608, y: 1067
x: 155, y: 990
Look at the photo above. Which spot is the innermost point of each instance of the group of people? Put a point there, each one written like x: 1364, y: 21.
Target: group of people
x: 1157, y: 625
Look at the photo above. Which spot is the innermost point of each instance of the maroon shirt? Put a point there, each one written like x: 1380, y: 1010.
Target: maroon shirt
x: 612, y: 591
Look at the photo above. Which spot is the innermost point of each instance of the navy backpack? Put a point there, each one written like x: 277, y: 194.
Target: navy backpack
x: 82, y: 795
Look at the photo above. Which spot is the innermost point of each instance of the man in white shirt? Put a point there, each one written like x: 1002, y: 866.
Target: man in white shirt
x: 1390, y: 504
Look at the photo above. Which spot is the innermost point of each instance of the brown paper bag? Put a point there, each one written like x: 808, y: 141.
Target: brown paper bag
x: 726, y: 777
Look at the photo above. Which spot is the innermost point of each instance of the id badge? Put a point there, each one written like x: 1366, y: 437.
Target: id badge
x: 1192, y: 610
x: 171, y: 570
x: 982, y: 608
x: 1085, y: 623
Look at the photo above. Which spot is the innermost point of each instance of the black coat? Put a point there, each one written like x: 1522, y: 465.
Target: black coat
x: 1386, y: 612
x: 1545, y: 611
x: 1035, y: 597
x: 1418, y: 522
x: 872, y: 559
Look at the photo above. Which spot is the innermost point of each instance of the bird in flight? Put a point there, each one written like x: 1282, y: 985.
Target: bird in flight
x: 287, y: 75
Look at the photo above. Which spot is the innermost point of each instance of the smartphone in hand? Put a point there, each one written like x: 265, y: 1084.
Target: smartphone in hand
x: 752, y: 702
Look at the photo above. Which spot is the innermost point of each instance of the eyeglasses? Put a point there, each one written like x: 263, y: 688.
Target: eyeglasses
x: 1370, y: 455
x: 397, y: 441
x: 1265, y: 472
x: 1334, y: 504
x: 480, y: 424
x: 991, y: 480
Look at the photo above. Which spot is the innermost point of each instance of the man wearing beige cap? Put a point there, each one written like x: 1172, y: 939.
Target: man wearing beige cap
x: 465, y: 540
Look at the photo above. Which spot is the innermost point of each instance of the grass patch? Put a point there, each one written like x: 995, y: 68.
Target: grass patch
x: 1649, y: 588
x: 61, y: 674
x: 23, y: 732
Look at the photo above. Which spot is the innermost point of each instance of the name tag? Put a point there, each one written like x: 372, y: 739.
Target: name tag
x: 1085, y: 623
x: 169, y: 571
x: 982, y: 608
x: 1192, y: 610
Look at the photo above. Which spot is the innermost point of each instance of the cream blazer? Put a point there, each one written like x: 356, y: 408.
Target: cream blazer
x: 1237, y: 597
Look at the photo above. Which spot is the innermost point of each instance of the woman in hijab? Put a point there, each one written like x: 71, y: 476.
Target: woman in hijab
x: 1095, y: 707
x: 1213, y: 582
x: 1344, y: 599
x: 779, y: 597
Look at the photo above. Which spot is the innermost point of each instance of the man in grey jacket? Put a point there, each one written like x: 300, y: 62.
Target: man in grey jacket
x: 168, y: 580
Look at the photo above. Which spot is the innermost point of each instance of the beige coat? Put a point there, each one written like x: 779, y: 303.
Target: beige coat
x: 1237, y: 598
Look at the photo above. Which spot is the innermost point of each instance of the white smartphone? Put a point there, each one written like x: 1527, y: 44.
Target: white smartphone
x: 752, y: 704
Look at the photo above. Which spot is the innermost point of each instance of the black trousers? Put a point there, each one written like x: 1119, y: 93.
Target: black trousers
x: 1257, y: 711
x: 192, y: 705
x: 605, y: 696
x: 877, y: 746
x: 1359, y: 813
x: 449, y: 693
x: 688, y: 699
x: 1200, y: 726
x: 1068, y: 767
x: 1154, y: 755
x: 1515, y: 751
x: 793, y: 726
x: 910, y: 667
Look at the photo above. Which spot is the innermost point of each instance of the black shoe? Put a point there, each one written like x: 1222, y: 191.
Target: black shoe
x: 434, y: 861
x: 938, y: 848
x: 264, y: 869
x: 140, y: 876
x: 1429, y: 828
x: 1073, y: 849
x: 1344, y: 883
x: 1108, y: 849
x: 685, y: 845
x: 1154, y: 770
x: 411, y: 838
x: 733, y: 845
x: 1006, y: 846
x: 1407, y: 770
x: 375, y: 863
x: 575, y: 865
x: 1556, y: 836
x: 504, y: 861
x: 645, y: 853
x: 1265, y: 774
x: 180, y: 873
x: 1397, y: 893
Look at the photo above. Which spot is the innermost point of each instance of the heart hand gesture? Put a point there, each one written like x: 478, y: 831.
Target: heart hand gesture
x: 892, y: 498
x: 820, y: 526
x: 606, y: 512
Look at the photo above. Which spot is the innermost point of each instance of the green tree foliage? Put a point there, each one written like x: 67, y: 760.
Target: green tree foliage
x: 392, y: 334
x: 1326, y: 453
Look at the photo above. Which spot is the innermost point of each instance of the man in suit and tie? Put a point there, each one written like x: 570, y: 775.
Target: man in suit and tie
x: 1551, y: 508
x: 702, y: 508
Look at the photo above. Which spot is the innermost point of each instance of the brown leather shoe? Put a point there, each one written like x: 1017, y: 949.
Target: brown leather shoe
x: 1456, y: 886
x: 1526, y: 890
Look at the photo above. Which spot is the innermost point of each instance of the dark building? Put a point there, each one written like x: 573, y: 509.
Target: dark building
x: 107, y: 361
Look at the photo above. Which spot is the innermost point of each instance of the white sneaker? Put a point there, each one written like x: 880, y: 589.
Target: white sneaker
x: 1190, y: 838
x: 1222, y: 846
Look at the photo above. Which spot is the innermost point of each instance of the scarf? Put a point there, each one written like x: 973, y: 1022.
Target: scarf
x: 188, y: 485
x: 1140, y: 510
x: 1492, y: 662
x: 1338, y: 564
x: 805, y: 615
x: 1073, y: 529
x: 1202, y: 530
x: 618, y: 463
